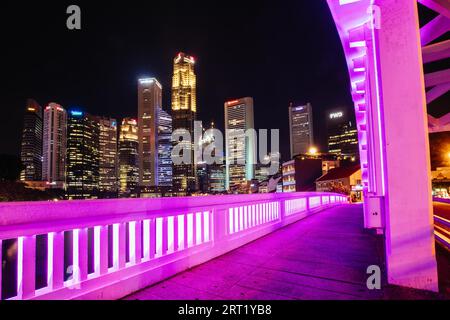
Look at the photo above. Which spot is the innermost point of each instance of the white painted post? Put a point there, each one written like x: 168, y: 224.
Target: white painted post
x: 26, y: 265
x: 138, y: 241
x: 81, y: 266
x: 410, y: 251
x: 165, y: 236
x: 152, y: 238
x: 55, y: 260
x: 103, y: 253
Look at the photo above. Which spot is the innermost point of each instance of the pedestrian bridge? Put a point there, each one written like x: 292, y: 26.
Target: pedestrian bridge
x: 324, y: 256
x: 266, y: 246
x: 107, y: 249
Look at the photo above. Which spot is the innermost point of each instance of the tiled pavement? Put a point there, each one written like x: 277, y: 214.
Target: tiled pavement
x: 324, y: 256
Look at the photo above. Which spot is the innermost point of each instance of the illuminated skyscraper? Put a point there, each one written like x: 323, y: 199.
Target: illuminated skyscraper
x: 164, y: 149
x: 149, y: 102
x: 301, y: 129
x: 240, y: 155
x: 342, y: 134
x: 83, y: 160
x: 109, y: 162
x: 128, y: 159
x: 31, y: 150
x: 184, y: 109
x: 54, y: 142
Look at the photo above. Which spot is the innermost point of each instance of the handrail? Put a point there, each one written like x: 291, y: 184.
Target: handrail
x: 442, y: 235
x: 132, y: 243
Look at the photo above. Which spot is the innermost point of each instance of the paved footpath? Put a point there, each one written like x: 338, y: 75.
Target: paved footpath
x: 324, y: 256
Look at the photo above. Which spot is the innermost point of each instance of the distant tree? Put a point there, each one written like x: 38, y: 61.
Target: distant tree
x: 10, y: 167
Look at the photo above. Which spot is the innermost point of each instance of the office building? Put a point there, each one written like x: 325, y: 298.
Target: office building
x: 149, y: 102
x: 54, y: 145
x: 240, y: 144
x: 342, y: 135
x: 184, y: 110
x: 83, y: 157
x: 31, y: 147
x: 128, y: 159
x: 109, y: 161
x: 300, y: 129
x: 164, y: 148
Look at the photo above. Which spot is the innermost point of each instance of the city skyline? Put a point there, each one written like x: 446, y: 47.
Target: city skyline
x: 235, y: 151
x: 108, y: 84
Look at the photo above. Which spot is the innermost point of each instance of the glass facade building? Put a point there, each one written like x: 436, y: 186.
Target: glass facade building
x: 54, y: 145
x: 300, y: 129
x: 240, y: 144
x: 83, y: 156
x: 149, y: 102
x: 128, y: 159
x: 31, y: 147
x: 184, y: 111
x: 164, y: 148
x: 109, y: 162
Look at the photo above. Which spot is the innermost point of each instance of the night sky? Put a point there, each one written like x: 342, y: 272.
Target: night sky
x: 274, y: 51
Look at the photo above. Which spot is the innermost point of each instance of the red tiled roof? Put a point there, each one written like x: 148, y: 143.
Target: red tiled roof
x: 339, y: 173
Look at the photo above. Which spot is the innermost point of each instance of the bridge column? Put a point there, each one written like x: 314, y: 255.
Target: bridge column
x: 410, y: 251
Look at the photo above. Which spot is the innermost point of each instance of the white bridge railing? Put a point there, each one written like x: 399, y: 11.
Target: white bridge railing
x: 106, y: 249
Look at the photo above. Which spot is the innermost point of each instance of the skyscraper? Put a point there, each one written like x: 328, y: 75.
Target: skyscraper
x: 342, y: 134
x: 164, y: 148
x: 109, y: 161
x: 83, y: 133
x: 240, y: 155
x: 54, y: 142
x: 31, y: 149
x: 184, y: 109
x: 300, y: 129
x: 128, y: 159
x: 149, y: 102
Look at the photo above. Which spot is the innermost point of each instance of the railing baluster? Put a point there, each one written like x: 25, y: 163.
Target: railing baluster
x: 197, y: 228
x: 245, y: 218
x: 101, y: 250
x: 181, y: 232
x: 26, y: 267
x: 186, y: 231
x: 159, y: 237
x: 175, y: 233
x: 119, y: 239
x: 165, y: 236
x: 55, y: 260
x: 230, y: 221
x: 206, y: 226
x: 80, y: 254
x: 152, y: 238
x: 236, y: 219
x: 146, y: 239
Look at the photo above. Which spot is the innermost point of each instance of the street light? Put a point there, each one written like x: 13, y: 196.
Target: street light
x: 312, y: 151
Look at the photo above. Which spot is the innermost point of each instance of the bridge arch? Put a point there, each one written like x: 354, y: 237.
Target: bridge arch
x: 382, y: 43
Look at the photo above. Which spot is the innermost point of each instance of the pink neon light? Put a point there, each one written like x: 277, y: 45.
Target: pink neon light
x: 206, y: 226
x: 159, y: 237
x: 20, y: 266
x: 132, y: 241
x: 170, y: 234
x: 190, y: 229
x: 97, y: 239
x: 181, y: 222
x: 50, y: 258
x: 146, y: 239
x: 198, y: 228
